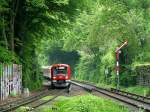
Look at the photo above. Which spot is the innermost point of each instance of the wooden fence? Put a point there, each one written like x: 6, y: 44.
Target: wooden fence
x: 10, y: 80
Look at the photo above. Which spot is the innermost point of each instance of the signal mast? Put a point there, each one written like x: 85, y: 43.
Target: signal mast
x: 118, y: 51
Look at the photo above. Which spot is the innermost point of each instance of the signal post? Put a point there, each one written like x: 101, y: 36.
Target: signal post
x: 118, y: 51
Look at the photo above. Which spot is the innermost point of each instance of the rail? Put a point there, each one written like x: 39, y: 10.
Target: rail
x: 125, y: 97
x: 15, y: 104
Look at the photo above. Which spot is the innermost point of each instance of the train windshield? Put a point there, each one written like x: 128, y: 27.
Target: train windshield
x: 60, y: 70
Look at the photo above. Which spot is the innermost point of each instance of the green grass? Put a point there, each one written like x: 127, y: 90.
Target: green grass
x: 47, y: 98
x: 140, y: 90
x: 104, y: 85
x: 22, y: 109
x: 87, y: 103
x: 97, y: 84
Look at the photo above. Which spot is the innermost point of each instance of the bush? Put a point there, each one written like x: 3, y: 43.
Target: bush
x: 7, y: 56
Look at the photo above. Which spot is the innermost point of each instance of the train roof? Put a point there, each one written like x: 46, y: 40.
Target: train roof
x: 60, y: 65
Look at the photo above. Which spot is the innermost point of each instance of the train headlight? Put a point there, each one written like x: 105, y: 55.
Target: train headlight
x: 54, y: 77
x: 66, y: 77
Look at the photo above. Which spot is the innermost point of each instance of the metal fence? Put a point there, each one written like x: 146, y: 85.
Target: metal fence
x: 10, y: 80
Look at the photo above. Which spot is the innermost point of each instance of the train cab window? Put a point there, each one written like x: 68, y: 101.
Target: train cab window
x: 60, y: 70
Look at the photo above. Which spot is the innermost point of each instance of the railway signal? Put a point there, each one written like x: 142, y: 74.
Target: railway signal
x: 118, y: 51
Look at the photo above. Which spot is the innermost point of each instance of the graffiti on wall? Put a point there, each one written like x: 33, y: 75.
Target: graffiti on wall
x: 10, y: 80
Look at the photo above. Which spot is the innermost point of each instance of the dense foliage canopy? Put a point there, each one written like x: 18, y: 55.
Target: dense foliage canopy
x: 42, y: 32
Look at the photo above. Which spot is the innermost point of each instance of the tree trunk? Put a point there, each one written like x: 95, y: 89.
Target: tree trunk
x: 4, y: 34
x: 12, y: 14
x: 15, y: 4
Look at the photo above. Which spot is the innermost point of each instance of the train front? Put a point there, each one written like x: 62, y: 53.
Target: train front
x: 60, y: 75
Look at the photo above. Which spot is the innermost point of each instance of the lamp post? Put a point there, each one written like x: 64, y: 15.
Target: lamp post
x: 118, y: 51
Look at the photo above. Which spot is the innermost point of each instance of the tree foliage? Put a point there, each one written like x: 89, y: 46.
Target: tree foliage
x: 24, y: 24
x: 39, y: 32
x: 96, y: 33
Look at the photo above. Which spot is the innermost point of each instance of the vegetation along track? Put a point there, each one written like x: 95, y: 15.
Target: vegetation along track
x: 31, y: 99
x: 125, y: 97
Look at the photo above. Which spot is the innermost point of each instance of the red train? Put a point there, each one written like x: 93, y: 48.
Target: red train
x: 60, y: 75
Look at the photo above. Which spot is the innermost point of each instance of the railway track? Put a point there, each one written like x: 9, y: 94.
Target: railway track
x: 28, y: 100
x: 54, y: 94
x: 125, y: 97
x: 24, y: 98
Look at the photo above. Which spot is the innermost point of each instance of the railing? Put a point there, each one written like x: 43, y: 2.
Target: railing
x: 10, y: 80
